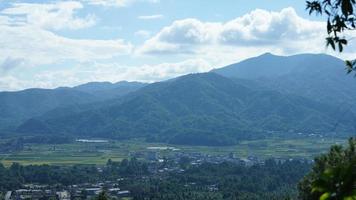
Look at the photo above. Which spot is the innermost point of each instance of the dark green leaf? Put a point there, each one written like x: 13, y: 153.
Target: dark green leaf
x: 330, y: 42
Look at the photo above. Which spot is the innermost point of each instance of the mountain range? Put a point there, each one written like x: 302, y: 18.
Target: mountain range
x: 286, y: 94
x: 17, y: 107
x: 319, y: 77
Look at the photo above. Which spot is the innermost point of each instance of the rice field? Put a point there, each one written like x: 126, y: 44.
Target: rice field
x: 99, y: 153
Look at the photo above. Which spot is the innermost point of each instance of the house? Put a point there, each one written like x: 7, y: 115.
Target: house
x: 123, y: 193
x: 8, y: 195
x: 63, y: 195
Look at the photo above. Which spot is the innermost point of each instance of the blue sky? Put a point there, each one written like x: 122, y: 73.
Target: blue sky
x: 65, y: 43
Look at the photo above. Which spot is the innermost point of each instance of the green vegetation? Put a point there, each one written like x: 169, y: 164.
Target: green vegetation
x: 333, y: 175
x: 272, y: 180
x: 244, y: 101
x: 214, y: 111
x: 318, y: 77
x: 17, y: 107
x: 65, y: 154
x: 99, y: 153
x: 102, y: 196
x: 225, y: 181
x: 16, y: 175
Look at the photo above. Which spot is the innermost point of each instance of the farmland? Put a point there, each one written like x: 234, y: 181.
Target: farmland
x: 99, y: 152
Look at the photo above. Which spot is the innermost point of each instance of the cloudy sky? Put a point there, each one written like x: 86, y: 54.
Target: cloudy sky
x: 48, y: 44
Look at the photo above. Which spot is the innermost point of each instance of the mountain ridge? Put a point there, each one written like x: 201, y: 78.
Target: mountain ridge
x: 320, y: 77
x: 17, y: 106
x: 203, y: 109
x: 245, y: 100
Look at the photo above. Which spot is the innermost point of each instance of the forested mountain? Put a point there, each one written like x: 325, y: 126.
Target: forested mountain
x: 302, y: 93
x: 107, y: 90
x: 203, y: 108
x: 18, y: 106
x: 319, y: 77
x: 15, y: 107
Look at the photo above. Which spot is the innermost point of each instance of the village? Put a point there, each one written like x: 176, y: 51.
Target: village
x: 157, y: 165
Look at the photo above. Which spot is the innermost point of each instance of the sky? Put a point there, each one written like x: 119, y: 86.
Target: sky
x: 47, y: 44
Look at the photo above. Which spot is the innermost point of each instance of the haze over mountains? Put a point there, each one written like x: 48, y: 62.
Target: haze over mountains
x: 16, y: 107
x: 302, y: 93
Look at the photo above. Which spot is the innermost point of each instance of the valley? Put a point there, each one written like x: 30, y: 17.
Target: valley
x: 98, y: 153
x: 265, y: 106
x: 177, y: 100
x: 255, y: 127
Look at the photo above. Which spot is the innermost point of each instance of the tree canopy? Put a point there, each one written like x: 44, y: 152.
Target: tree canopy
x: 333, y: 175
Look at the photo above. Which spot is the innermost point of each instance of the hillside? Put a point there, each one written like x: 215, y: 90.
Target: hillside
x: 318, y: 77
x: 16, y: 107
x: 108, y: 90
x: 203, y: 109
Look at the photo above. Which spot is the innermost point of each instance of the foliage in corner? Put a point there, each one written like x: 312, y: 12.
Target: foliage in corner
x: 333, y: 176
x: 341, y: 18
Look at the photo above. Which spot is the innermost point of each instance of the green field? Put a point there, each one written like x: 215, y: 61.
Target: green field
x: 99, y: 153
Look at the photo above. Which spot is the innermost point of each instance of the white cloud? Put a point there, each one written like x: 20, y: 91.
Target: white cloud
x: 143, y: 33
x: 180, y: 36
x: 9, y: 83
x: 27, y: 41
x: 258, y: 28
x: 56, y: 16
x: 9, y: 64
x: 260, y: 31
x: 37, y: 46
x: 116, y: 3
x: 146, y: 73
x: 187, y: 31
x: 196, y: 46
x: 4, y: 20
x: 149, y: 17
x: 164, y: 71
x: 261, y: 27
x: 106, y: 72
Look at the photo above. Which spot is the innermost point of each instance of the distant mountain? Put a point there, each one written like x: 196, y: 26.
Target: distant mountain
x: 203, y: 109
x: 16, y: 107
x: 302, y: 93
x: 107, y: 90
x: 318, y: 77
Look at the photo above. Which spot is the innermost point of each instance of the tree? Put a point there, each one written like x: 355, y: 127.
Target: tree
x: 333, y: 176
x: 102, y: 196
x: 341, y: 17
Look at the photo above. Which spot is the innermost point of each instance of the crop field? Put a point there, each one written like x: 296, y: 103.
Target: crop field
x: 99, y: 153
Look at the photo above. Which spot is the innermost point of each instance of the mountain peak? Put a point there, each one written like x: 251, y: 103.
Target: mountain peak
x: 269, y: 65
x: 267, y: 54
